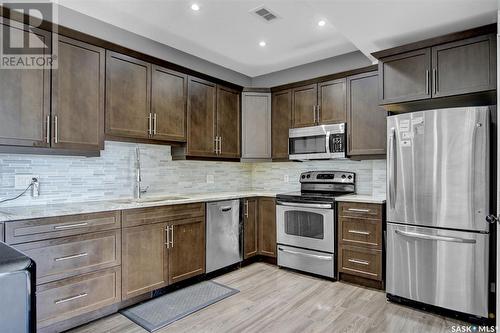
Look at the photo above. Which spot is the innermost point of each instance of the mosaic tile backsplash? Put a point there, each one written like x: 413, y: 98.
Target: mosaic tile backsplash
x: 112, y: 175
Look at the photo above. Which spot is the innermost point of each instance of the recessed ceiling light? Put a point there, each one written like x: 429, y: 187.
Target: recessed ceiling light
x: 195, y: 7
x: 322, y: 23
x: 262, y: 43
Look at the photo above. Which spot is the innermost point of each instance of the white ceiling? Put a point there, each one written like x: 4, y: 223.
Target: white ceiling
x: 225, y: 33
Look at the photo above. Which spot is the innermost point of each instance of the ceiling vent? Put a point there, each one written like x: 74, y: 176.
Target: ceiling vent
x: 265, y: 14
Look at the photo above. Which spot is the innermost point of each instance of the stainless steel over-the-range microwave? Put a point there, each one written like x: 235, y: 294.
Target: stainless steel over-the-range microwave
x: 317, y: 142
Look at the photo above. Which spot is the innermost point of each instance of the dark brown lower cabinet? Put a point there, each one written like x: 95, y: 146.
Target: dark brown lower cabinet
x: 187, y: 250
x: 250, y: 228
x: 267, y: 227
x: 360, y: 253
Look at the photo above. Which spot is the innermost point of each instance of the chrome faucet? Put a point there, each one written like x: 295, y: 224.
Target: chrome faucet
x: 139, y: 191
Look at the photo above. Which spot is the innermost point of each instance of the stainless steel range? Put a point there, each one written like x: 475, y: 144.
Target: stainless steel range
x: 306, y: 221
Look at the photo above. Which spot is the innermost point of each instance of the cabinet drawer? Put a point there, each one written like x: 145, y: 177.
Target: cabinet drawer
x: 63, y: 257
x: 60, y: 226
x: 361, y: 261
x: 141, y: 216
x: 64, y: 299
x: 357, y: 231
x: 356, y: 209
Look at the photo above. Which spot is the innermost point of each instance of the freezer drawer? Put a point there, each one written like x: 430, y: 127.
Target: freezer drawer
x: 306, y: 260
x: 444, y: 268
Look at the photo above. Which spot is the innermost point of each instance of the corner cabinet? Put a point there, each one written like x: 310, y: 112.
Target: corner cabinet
x: 213, y: 121
x: 464, y: 66
x: 366, y: 120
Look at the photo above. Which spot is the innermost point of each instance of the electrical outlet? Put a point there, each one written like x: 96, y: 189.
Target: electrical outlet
x: 286, y: 179
x: 22, y: 181
x: 210, y: 179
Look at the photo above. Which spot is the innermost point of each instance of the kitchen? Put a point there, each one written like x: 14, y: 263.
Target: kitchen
x: 148, y: 183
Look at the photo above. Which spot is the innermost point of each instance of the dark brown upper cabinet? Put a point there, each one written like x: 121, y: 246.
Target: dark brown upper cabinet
x: 304, y: 105
x: 168, y: 104
x: 78, y: 96
x: 25, y: 96
x: 201, y: 127
x: 281, y: 121
x: 464, y: 66
x: 128, y: 92
x: 405, y: 77
x: 457, y: 64
x: 228, y: 122
x: 332, y: 102
x: 366, y: 121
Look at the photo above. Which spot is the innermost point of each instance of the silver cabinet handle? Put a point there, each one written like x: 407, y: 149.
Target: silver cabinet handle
x: 437, y: 238
x: 315, y: 256
x: 172, y: 238
x: 427, y: 74
x: 356, y: 261
x: 305, y: 205
x: 359, y: 210
x: 435, y: 80
x: 318, y: 108
x: 220, y: 145
x: 56, y: 130
x: 314, y: 113
x: 357, y: 232
x: 47, y: 134
x: 69, y: 226
x: 216, y: 147
x: 74, y: 256
x: 150, y: 124
x: 72, y: 298
x: 246, y: 208
x: 167, y: 235
x: 154, y: 123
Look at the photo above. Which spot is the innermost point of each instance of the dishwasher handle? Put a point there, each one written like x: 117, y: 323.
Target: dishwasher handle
x: 225, y: 208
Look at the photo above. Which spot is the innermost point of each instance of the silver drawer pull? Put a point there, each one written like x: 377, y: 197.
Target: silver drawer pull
x: 357, y: 232
x: 315, y: 256
x: 69, y: 299
x: 359, y: 210
x: 356, y: 261
x: 79, y: 255
x: 68, y: 226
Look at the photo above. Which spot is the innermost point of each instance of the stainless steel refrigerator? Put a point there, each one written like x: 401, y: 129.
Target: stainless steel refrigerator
x: 437, y: 200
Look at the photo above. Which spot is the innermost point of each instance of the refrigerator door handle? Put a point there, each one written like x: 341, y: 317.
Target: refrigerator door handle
x: 392, y: 161
x: 438, y: 238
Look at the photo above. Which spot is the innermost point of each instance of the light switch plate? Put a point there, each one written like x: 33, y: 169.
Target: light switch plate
x: 210, y: 179
x: 22, y: 181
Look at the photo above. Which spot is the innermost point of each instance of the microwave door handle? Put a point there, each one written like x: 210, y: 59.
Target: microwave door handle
x: 328, y: 143
x: 392, y: 162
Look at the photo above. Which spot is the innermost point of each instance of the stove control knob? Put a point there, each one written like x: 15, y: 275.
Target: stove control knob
x: 303, y: 176
x: 343, y: 176
x: 349, y: 177
x: 308, y: 176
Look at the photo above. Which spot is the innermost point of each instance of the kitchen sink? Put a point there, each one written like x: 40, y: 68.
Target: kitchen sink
x: 154, y: 199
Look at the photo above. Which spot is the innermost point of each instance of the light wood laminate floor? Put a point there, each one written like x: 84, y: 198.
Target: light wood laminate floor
x: 279, y: 300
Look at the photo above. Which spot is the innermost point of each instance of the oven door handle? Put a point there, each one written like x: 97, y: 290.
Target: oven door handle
x: 315, y: 256
x: 304, y: 205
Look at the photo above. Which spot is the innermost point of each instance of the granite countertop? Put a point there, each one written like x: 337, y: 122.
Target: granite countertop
x: 361, y: 198
x: 39, y: 211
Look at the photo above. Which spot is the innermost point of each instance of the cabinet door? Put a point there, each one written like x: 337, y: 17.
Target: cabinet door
x: 304, y: 105
x: 465, y: 66
x: 144, y: 259
x: 128, y: 90
x: 405, y: 77
x: 187, y: 250
x: 168, y: 104
x: 25, y: 96
x: 201, y: 117
x: 78, y: 96
x: 267, y: 227
x: 331, y: 100
x: 256, y: 125
x: 250, y: 228
x: 228, y: 122
x: 281, y: 121
x: 366, y: 123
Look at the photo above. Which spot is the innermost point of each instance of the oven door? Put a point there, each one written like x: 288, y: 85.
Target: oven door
x: 306, y: 225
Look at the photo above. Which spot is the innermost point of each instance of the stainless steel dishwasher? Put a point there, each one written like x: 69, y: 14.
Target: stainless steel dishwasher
x: 223, y: 234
